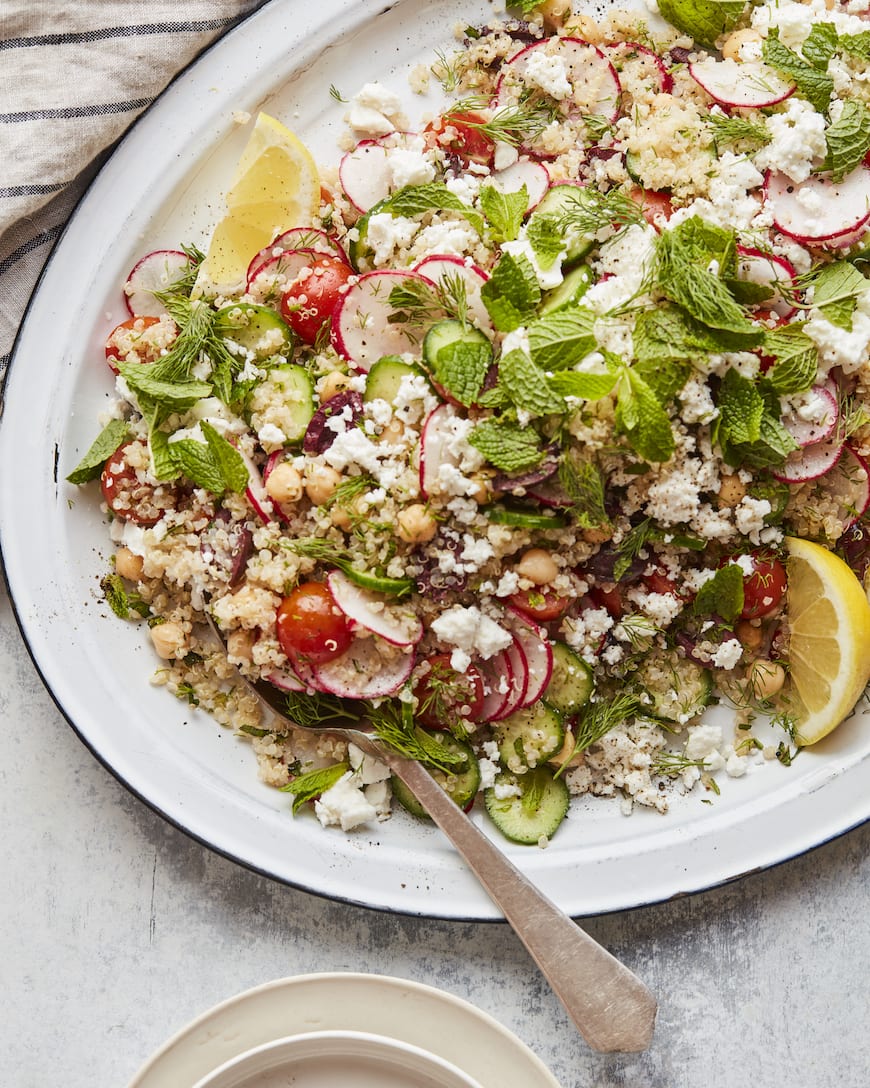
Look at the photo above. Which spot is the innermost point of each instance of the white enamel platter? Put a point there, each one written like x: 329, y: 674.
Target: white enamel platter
x: 161, y: 187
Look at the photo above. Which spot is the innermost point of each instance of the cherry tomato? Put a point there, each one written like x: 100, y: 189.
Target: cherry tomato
x: 659, y: 582
x: 464, y: 138
x: 130, y: 342
x: 652, y: 203
x: 764, y: 587
x: 311, y: 626
x: 130, y: 497
x: 309, y: 301
x: 540, y: 605
x: 611, y: 599
x: 445, y: 695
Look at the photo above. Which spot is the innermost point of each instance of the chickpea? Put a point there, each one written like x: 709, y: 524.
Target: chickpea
x: 554, y: 12
x: 585, y: 27
x: 129, y: 565
x: 731, y: 491
x: 765, y: 678
x: 169, y: 640
x: 394, y: 432
x: 749, y: 634
x: 416, y: 525
x: 565, y: 753
x: 284, y: 483
x: 596, y: 536
x: 737, y: 39
x: 538, y: 566
x: 332, y: 384
x: 240, y: 645
x: 482, y: 490
x: 321, y: 484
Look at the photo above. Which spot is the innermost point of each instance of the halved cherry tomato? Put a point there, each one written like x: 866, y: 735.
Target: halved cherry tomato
x: 309, y: 301
x: 311, y: 626
x: 444, y: 695
x: 458, y: 133
x: 608, y: 598
x: 652, y: 203
x: 540, y: 605
x: 130, y: 342
x: 764, y: 587
x: 659, y: 582
x: 131, y: 498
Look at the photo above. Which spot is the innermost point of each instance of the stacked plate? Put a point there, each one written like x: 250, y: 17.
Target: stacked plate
x: 360, y: 1031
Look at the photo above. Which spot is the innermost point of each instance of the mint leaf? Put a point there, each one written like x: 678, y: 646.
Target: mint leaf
x: 703, y: 20
x: 163, y: 464
x: 461, y: 368
x: 774, y: 443
x: 511, y: 294
x: 856, y: 45
x: 560, y: 340
x: 797, y: 359
x: 836, y: 290
x: 195, y: 461
x: 546, y: 238
x: 585, y: 385
x: 821, y: 45
x: 666, y: 377
x: 527, y: 386
x: 668, y: 332
x: 101, y: 449
x: 642, y: 419
x: 308, y: 787
x: 741, y: 408
x: 433, y: 196
x: 504, y: 211
x: 507, y: 445
x: 722, y: 595
x: 815, y: 86
x: 229, y: 461
x: 178, y: 396
x: 848, y: 140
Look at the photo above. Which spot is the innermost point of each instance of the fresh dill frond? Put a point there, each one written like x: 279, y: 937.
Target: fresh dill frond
x: 509, y: 125
x: 420, y: 304
x: 597, y: 719
x: 671, y: 764
x: 393, y: 723
x: 336, y: 94
x: 446, y: 71
x: 738, y: 130
x: 586, y: 211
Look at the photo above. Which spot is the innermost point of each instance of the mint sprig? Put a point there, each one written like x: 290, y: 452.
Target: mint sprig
x: 820, y: 45
x: 506, y: 445
x: 214, y: 465
x: 560, y: 340
x: 796, y: 359
x: 100, y: 450
x: 461, y: 367
x: 641, y: 417
x: 308, y: 787
x: 814, y: 85
x: 505, y: 211
x: 527, y: 385
x: 836, y: 288
x: 848, y: 140
x: 511, y: 294
x: 722, y: 595
x: 433, y: 196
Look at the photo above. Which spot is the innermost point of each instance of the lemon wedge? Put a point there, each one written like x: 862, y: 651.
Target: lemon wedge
x: 276, y: 186
x: 829, y: 648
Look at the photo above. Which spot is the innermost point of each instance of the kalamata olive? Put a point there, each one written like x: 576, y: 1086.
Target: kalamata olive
x: 319, y: 436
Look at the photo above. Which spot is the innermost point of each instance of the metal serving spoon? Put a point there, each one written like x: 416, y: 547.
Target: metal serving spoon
x: 610, y: 1006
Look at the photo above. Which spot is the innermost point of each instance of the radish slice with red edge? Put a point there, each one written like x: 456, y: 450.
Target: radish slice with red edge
x: 361, y: 328
x: 512, y: 178
x: 369, y: 668
x: 635, y: 63
x: 439, y: 267
x: 848, y: 484
x: 367, y: 172
x: 594, y: 82
x: 256, y: 494
x: 285, y: 680
x: 519, y: 680
x: 436, y: 442
x: 497, y: 675
x: 276, y: 273
x: 297, y: 238
x: 750, y: 84
x: 819, y: 209
x: 538, y: 653
x: 394, y: 623
x: 768, y: 270
x: 156, y: 271
x: 819, y: 418
x: 810, y: 462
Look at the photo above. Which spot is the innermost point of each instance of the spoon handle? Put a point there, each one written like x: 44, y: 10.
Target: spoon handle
x: 610, y: 1006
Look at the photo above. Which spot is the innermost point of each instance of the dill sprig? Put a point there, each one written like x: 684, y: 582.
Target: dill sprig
x: 586, y: 211
x: 597, y: 719
x: 420, y: 304
x: 673, y: 763
x: 446, y: 71
x: 509, y: 125
x: 737, y: 130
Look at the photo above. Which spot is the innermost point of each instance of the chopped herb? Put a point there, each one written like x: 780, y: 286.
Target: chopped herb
x: 308, y: 787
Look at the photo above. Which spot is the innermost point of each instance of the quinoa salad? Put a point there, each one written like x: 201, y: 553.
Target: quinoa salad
x: 507, y: 450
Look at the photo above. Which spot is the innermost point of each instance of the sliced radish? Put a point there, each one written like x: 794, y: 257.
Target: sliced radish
x: 538, y: 653
x: 439, y: 267
x: 819, y: 209
x: 848, y: 483
x: 753, y: 266
x: 634, y: 63
x: 277, y: 272
x: 519, y: 682
x: 285, y: 680
x: 593, y: 79
x: 745, y: 84
x: 497, y: 675
x: 394, y: 623
x: 367, y: 173
x: 846, y: 241
x: 523, y: 172
x: 361, y: 328
x: 297, y: 238
x: 816, y: 424
x: 810, y: 462
x: 256, y: 493
x: 369, y: 669
x: 437, y: 447
x: 156, y: 271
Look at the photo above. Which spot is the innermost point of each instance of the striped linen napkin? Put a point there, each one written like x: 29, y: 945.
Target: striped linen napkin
x: 73, y: 77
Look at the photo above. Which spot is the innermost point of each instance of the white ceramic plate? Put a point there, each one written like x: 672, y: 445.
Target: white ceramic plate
x: 163, y: 187
x: 407, y: 1012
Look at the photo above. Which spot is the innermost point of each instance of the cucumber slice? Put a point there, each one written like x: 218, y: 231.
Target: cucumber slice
x: 378, y: 583
x: 632, y: 168
x: 462, y: 785
x: 287, y: 393
x: 570, y: 682
x: 569, y: 292
x: 385, y: 377
x: 558, y: 200
x: 257, y: 329
x: 359, y: 251
x: 675, y: 689
x: 529, y: 737
x: 525, y: 519
x: 445, y: 333
x: 535, y: 813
